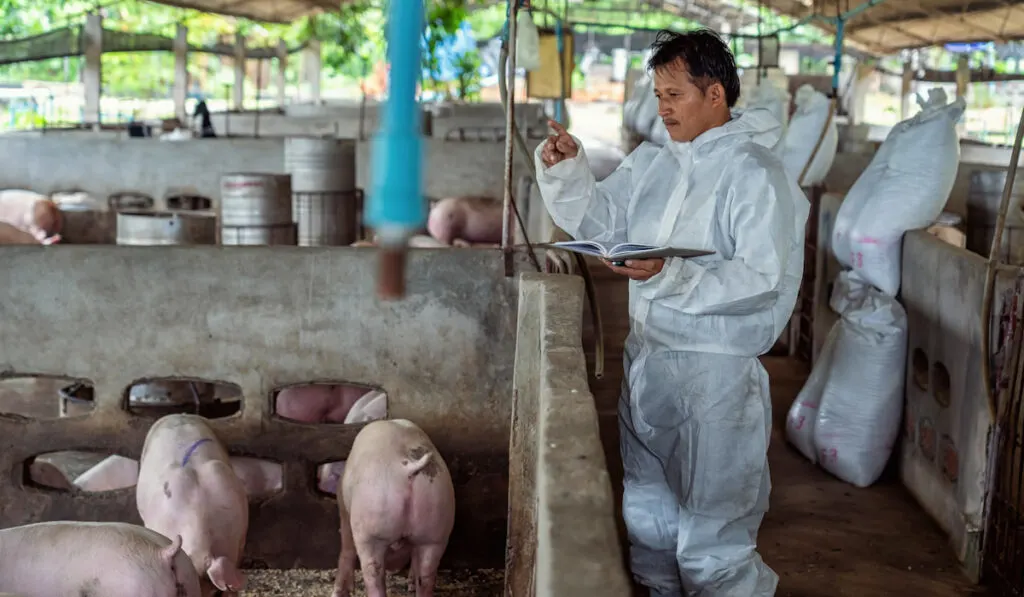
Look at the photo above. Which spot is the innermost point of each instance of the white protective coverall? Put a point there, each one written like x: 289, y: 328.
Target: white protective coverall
x: 695, y: 411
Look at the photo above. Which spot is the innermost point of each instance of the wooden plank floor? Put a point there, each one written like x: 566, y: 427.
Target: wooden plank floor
x: 823, y: 537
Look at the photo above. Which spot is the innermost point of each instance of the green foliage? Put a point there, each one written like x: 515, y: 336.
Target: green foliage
x: 443, y: 18
x: 468, y: 67
x: 352, y: 39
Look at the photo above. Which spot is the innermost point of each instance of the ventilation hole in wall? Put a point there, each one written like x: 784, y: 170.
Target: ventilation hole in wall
x: 157, y: 397
x: 45, y: 396
x: 72, y: 470
x: 940, y: 384
x: 330, y: 402
x: 328, y: 477
x: 919, y: 364
x: 188, y: 202
x: 262, y: 478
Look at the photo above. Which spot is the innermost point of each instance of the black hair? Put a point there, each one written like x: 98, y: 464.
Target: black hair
x: 706, y: 56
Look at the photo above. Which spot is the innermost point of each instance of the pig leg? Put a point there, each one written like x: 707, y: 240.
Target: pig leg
x: 372, y: 552
x: 423, y: 573
x: 345, y: 581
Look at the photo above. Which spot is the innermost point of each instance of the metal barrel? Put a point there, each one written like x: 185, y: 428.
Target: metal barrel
x: 281, y: 234
x: 255, y: 199
x: 256, y: 209
x: 140, y: 228
x: 983, y: 197
x: 324, y: 198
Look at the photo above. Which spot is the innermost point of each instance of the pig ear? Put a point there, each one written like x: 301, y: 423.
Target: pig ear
x: 225, y: 576
x: 171, y: 550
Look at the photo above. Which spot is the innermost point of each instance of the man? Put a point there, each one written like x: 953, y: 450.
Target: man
x: 695, y: 414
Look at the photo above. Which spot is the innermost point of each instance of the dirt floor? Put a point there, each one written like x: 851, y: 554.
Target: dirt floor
x: 320, y: 583
x: 824, y: 537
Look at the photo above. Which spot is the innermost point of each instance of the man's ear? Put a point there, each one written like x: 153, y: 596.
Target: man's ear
x: 716, y: 93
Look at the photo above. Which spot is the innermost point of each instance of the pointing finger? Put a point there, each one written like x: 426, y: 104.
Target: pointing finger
x: 558, y: 127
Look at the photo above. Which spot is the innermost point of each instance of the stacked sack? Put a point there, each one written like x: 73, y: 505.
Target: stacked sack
x: 776, y: 100
x: 847, y: 416
x: 905, y: 187
x: 640, y: 114
x: 813, y: 110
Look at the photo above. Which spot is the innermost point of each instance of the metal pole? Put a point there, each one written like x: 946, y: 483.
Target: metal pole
x: 508, y: 223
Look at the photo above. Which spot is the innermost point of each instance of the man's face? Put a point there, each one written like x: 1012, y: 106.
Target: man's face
x: 683, y: 107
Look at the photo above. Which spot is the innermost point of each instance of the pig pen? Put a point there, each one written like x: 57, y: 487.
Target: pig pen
x: 116, y: 315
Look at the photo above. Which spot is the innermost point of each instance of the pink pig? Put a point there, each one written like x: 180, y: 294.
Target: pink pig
x: 475, y: 220
x: 318, y: 403
x: 187, y: 487
x: 95, y: 559
x: 396, y: 502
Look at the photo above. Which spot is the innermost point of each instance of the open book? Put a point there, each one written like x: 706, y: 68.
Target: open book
x: 623, y: 251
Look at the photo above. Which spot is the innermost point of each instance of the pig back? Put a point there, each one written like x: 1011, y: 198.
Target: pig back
x: 171, y: 434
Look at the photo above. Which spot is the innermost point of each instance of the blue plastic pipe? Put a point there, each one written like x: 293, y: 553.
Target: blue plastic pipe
x: 840, y: 26
x: 396, y: 207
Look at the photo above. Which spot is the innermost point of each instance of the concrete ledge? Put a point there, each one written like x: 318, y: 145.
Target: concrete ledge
x: 562, y: 533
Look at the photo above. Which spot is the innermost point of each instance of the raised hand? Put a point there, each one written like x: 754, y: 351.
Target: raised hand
x: 559, y: 146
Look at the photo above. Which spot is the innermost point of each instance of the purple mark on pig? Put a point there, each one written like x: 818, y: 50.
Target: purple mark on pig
x: 192, y: 448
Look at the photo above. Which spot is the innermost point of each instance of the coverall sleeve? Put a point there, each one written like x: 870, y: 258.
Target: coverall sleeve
x: 578, y: 204
x: 762, y: 223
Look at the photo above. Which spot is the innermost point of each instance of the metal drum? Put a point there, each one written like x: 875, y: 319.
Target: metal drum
x: 256, y: 209
x: 140, y: 228
x: 325, y: 202
x: 983, y: 198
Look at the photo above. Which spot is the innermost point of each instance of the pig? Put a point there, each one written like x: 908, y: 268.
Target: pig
x: 113, y: 472
x: 187, y: 487
x: 396, y: 503
x: 259, y: 477
x: 318, y: 403
x: 108, y: 559
x: 470, y: 219
x: 30, y: 212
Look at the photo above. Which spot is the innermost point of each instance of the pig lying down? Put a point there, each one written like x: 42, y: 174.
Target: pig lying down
x: 187, y: 487
x: 397, y: 506
x: 470, y: 220
x: 31, y: 212
x: 93, y: 559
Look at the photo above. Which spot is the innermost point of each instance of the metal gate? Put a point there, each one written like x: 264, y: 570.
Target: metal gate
x: 1003, y: 557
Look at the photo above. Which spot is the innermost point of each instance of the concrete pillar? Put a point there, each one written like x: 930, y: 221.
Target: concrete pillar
x: 180, y: 72
x: 857, y: 99
x: 311, y: 69
x: 963, y: 83
x: 239, y: 90
x: 905, y: 88
x: 92, y: 75
x: 282, y: 64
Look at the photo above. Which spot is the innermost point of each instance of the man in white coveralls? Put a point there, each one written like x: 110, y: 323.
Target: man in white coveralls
x: 695, y: 413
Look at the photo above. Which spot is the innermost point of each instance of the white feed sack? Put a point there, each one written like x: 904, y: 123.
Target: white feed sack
x: 802, y: 133
x: 858, y: 419
x: 905, y: 187
x: 803, y: 414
